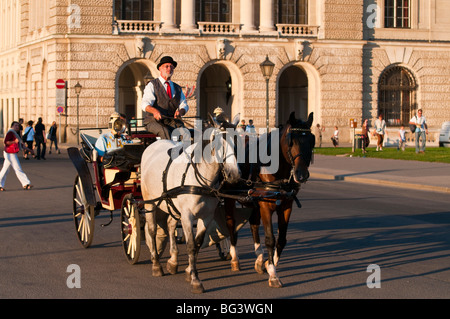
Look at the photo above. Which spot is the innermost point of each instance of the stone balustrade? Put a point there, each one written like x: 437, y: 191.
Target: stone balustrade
x: 297, y: 30
x: 137, y: 26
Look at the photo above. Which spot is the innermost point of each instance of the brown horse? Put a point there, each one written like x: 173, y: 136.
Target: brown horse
x: 294, y: 153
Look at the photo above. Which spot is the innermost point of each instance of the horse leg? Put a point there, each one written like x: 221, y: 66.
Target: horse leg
x: 150, y: 239
x: 230, y: 210
x: 266, y: 217
x: 254, y: 221
x: 283, y: 220
x: 192, y: 250
x: 172, y: 263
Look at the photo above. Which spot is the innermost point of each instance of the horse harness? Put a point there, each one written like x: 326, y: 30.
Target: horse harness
x: 278, y: 189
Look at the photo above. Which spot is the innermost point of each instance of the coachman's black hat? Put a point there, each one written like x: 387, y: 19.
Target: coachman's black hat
x: 167, y: 59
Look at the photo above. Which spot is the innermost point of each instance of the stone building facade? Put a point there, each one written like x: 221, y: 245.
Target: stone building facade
x: 341, y: 59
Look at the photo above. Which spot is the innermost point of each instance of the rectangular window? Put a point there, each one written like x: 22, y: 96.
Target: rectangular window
x: 291, y: 11
x: 397, y: 13
x: 133, y: 10
x: 213, y: 10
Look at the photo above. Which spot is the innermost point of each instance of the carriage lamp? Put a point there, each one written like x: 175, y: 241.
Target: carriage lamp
x: 267, y: 69
x: 78, y: 91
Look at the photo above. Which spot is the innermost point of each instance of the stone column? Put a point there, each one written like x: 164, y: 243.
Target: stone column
x: 167, y: 15
x: 247, y: 16
x: 187, y: 15
x: 266, y: 16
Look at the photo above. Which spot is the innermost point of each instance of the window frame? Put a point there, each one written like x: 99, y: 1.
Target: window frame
x: 221, y: 17
x: 120, y: 10
x: 299, y: 18
x: 395, y: 15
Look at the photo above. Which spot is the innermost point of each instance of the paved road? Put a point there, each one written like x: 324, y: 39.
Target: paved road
x: 342, y: 228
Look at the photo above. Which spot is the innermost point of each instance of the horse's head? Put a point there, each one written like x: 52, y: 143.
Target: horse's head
x: 297, y: 144
x: 223, y: 148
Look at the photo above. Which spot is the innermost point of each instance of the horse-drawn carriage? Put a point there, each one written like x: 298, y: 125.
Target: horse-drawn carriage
x: 116, y: 186
x: 154, y: 180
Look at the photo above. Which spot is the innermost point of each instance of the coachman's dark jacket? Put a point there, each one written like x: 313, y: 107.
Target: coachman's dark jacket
x: 163, y: 103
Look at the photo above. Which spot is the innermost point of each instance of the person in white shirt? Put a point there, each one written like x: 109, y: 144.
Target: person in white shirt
x: 421, y: 130
x: 380, y: 131
x: 335, y: 137
x: 401, y: 138
x: 163, y: 101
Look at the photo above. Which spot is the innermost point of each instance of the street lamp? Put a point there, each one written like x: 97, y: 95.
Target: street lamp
x: 267, y: 69
x: 78, y: 91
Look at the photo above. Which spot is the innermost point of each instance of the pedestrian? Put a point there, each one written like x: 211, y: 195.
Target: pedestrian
x: 40, y: 139
x: 401, y: 138
x: 52, y: 137
x: 335, y: 137
x: 421, y: 130
x: 380, y: 131
x: 20, y: 127
x: 13, y: 144
x: 365, y: 135
x: 318, y: 133
x: 250, y: 127
x: 28, y: 138
x: 243, y: 126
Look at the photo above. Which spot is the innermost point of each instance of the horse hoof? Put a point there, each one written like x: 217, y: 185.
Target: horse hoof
x: 197, y: 288
x: 172, y: 268
x: 259, y: 267
x: 275, y: 283
x: 235, y: 266
x: 157, y: 271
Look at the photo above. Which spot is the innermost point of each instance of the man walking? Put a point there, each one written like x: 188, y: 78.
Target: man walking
x: 421, y: 130
x: 40, y: 139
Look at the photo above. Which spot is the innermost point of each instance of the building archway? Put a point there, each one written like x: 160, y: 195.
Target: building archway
x: 298, y: 89
x: 130, y: 84
x: 218, y: 85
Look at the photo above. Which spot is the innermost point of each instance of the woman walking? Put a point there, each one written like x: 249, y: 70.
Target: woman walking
x: 13, y: 144
x: 28, y: 138
x: 52, y: 138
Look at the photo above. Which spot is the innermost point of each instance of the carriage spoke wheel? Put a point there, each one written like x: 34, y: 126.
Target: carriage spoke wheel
x: 83, y: 215
x: 131, y: 229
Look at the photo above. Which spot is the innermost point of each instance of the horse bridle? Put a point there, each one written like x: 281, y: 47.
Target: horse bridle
x: 292, y: 158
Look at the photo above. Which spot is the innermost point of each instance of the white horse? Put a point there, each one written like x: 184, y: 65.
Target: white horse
x: 191, y: 206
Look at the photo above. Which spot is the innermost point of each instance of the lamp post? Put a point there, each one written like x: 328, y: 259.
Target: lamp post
x: 77, y: 91
x: 267, y: 69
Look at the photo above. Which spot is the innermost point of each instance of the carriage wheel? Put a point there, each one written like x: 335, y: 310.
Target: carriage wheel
x: 83, y: 215
x: 131, y: 229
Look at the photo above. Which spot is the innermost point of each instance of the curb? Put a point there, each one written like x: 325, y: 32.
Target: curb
x: 369, y: 181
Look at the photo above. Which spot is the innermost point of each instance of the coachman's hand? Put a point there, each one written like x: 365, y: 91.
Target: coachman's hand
x: 179, y: 113
x: 157, y: 115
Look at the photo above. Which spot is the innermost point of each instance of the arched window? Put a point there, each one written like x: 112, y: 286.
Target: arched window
x: 397, y: 96
x: 291, y: 11
x: 213, y: 10
x: 133, y: 10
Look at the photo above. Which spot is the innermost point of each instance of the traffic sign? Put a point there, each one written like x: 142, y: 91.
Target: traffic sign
x: 60, y: 109
x: 60, y: 84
